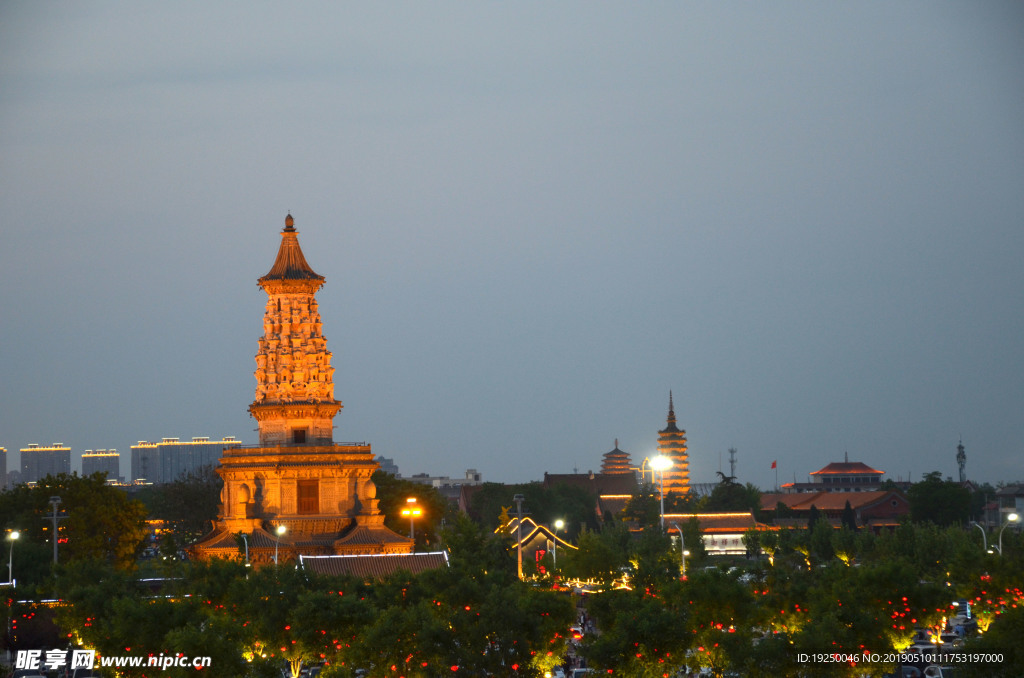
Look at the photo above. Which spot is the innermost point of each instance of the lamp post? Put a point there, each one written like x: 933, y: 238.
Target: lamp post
x: 56, y: 518
x: 661, y: 464
x: 13, y: 536
x: 518, y: 499
x: 559, y: 524
x: 682, y: 548
x: 984, y: 537
x: 412, y: 511
x: 281, y: 529
x: 1012, y: 518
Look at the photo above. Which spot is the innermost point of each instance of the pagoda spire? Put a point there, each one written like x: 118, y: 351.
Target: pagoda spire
x: 290, y: 263
x: 671, y: 421
x: 294, y: 379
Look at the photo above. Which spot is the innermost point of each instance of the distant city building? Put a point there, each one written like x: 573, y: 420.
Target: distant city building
x: 616, y: 461
x: 171, y: 458
x: 387, y: 465
x: 102, y: 461
x: 3, y: 466
x: 450, y: 488
x: 13, y: 479
x: 672, y: 444
x: 472, y: 477
x: 1011, y: 500
x: 38, y: 461
x: 844, y: 476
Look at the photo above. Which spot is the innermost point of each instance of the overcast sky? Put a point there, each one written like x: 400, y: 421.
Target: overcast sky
x: 535, y: 219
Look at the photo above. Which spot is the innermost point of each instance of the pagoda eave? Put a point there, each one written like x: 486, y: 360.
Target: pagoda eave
x: 263, y: 411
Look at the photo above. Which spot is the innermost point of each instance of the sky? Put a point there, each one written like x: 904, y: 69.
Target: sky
x: 535, y: 220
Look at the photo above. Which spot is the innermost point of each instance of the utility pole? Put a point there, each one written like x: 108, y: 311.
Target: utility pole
x: 732, y: 462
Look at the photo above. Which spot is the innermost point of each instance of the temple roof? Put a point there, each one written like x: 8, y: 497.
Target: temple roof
x: 290, y: 263
x: 845, y: 467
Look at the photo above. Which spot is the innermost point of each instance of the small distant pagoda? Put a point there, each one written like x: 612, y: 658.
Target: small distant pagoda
x: 298, y: 478
x: 616, y: 461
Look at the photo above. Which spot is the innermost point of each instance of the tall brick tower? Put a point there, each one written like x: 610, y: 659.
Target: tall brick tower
x: 672, y: 444
x: 294, y: 378
x: 297, y: 479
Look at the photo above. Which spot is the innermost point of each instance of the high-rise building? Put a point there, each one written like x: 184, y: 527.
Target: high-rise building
x: 38, y: 461
x: 102, y: 461
x: 146, y: 463
x: 299, y: 492
x: 672, y: 444
x: 3, y: 468
x: 172, y: 458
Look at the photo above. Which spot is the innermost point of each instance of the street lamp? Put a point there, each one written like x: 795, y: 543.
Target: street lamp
x: 559, y: 524
x: 1012, y: 518
x: 281, y: 529
x: 984, y: 537
x: 412, y: 511
x: 13, y: 536
x: 662, y: 464
x: 682, y: 548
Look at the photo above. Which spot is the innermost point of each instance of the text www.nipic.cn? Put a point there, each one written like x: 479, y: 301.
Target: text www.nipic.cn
x: 86, y: 659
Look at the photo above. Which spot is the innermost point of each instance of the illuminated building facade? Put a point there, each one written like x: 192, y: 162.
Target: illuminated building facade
x: 172, y: 458
x: 297, y: 478
x: 840, y: 476
x: 38, y: 461
x: 102, y: 461
x: 672, y: 444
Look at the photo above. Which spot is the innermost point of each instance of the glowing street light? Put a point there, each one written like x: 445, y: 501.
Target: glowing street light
x: 281, y: 529
x: 412, y: 511
x: 1012, y: 518
x: 661, y: 464
x: 559, y: 524
x: 13, y: 537
x: 682, y: 548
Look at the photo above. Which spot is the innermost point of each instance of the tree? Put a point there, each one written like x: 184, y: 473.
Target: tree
x: 644, y: 507
x: 729, y: 495
x: 100, y: 523
x: 599, y: 556
x: 849, y: 517
x: 392, y: 494
x: 187, y: 507
x: 939, y: 501
x: 641, y: 635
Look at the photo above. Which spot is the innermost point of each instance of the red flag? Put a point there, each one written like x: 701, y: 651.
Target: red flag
x: 775, y: 464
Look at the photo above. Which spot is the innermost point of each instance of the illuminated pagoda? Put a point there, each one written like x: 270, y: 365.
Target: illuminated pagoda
x: 672, y: 444
x: 616, y: 461
x: 298, y: 478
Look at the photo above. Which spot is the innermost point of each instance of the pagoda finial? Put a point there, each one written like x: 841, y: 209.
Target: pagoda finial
x: 671, y: 409
x: 289, y: 223
x: 616, y: 443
